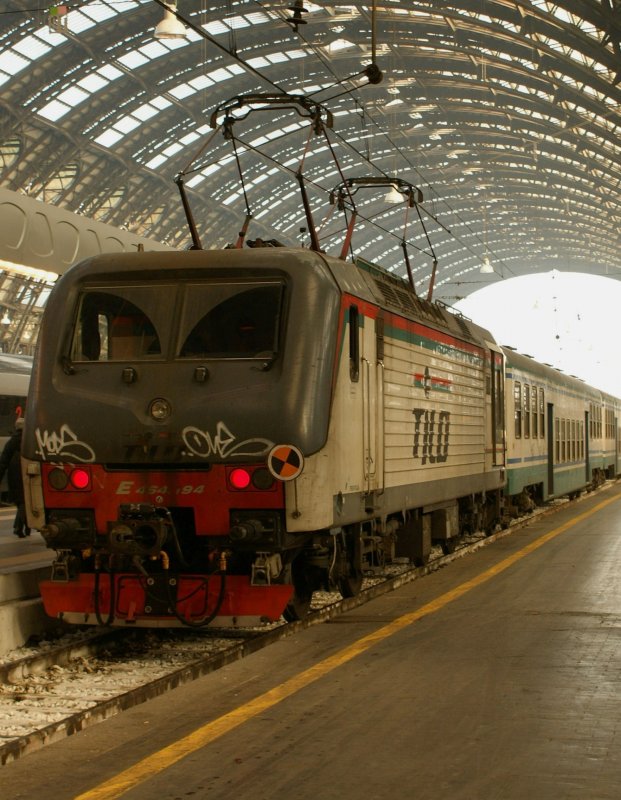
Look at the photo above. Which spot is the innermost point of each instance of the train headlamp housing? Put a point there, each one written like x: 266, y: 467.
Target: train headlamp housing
x: 70, y: 479
x: 160, y: 409
x: 249, y: 479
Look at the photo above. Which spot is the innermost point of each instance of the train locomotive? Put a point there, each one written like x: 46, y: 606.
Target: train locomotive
x: 213, y: 435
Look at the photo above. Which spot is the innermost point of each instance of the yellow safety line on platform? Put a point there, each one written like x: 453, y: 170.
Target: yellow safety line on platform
x: 167, y: 756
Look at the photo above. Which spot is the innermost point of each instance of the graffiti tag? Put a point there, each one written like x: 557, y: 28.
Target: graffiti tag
x: 223, y: 444
x: 64, y: 444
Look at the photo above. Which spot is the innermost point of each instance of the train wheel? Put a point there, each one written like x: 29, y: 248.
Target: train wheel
x: 350, y: 582
x: 299, y: 605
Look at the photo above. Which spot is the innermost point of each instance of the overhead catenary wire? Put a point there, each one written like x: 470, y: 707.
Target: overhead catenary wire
x: 234, y: 55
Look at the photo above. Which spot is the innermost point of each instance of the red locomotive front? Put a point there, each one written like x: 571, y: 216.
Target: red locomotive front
x: 166, y: 389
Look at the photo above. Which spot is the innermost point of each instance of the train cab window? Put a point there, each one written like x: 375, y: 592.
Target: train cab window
x: 231, y: 320
x: 517, y: 404
x: 110, y: 327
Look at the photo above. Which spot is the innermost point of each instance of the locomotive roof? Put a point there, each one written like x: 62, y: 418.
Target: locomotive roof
x: 395, y: 294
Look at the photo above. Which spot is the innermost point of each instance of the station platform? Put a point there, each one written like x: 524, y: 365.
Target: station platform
x: 496, y: 678
x: 23, y: 563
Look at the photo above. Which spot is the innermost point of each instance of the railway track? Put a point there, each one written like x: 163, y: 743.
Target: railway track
x: 57, y: 689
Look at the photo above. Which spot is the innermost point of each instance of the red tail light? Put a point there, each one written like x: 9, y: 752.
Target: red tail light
x: 239, y: 478
x: 80, y: 478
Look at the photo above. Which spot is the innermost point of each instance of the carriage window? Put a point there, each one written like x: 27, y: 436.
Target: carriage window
x: 238, y: 320
x: 517, y: 403
x: 542, y: 416
x: 110, y: 327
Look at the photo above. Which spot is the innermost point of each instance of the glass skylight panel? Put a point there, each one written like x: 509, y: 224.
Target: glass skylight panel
x: 156, y: 162
x: 145, y: 112
x: 202, y: 82
x: 219, y: 75
x: 126, y: 124
x: 133, y: 60
x: 110, y: 72
x: 78, y: 22
x: 172, y: 149
x: 72, y: 96
x: 53, y: 110
x: 12, y: 63
x: 238, y: 22
x: 277, y: 58
x: 181, y: 91
x: 154, y: 50
x: 109, y: 138
x: 214, y: 28
x: 161, y: 102
x: 191, y: 137
x: 32, y: 47
x: 99, y: 12
x: 257, y: 18
x: 92, y: 83
x: 195, y: 181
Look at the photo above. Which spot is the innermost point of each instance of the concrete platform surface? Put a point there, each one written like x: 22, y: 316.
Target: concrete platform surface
x: 23, y: 563
x: 497, y: 678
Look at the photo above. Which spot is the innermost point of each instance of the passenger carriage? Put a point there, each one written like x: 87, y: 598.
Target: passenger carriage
x: 560, y: 432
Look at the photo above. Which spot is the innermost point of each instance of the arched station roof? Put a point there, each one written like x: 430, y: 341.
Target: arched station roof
x: 504, y: 113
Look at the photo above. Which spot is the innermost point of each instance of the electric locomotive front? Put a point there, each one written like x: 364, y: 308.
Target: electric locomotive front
x: 172, y: 396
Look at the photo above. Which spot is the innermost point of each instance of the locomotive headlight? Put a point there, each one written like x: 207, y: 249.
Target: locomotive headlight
x: 160, y: 408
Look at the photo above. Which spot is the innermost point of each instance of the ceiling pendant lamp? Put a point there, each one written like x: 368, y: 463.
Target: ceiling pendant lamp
x: 170, y: 27
x: 393, y: 195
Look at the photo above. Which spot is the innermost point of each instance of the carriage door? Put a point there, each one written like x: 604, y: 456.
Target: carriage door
x: 498, y: 408
x: 550, y: 441
x: 372, y: 377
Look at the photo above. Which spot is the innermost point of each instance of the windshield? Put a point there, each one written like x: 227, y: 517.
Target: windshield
x: 231, y: 321
x: 216, y: 320
x: 115, y: 326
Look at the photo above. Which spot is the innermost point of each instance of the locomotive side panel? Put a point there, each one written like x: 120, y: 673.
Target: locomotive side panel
x: 434, y: 405
x: 410, y: 431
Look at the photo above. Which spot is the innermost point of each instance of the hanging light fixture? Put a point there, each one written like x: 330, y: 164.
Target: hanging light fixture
x: 393, y: 195
x: 486, y: 267
x: 170, y: 27
x: 6, y: 320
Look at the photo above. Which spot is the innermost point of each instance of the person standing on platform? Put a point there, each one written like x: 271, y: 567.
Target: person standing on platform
x: 10, y: 462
